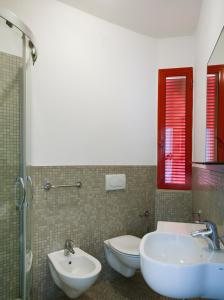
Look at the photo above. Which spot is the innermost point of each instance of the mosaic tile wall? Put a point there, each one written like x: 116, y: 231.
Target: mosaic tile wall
x: 171, y: 205
x: 208, y: 191
x: 88, y: 215
x: 10, y: 75
x: 91, y: 215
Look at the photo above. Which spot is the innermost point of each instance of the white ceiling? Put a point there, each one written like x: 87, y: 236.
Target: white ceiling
x: 156, y: 18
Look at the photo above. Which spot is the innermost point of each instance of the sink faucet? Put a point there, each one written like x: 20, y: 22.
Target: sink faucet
x: 211, y: 232
x: 69, y: 245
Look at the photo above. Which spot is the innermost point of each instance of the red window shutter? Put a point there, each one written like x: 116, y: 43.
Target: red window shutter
x: 214, y: 114
x: 175, y: 128
x: 211, y: 118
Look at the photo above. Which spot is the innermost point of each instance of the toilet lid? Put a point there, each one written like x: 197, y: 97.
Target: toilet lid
x: 127, y: 244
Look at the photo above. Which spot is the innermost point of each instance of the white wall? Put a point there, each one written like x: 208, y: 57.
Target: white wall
x: 93, y: 88
x: 209, y: 27
x: 176, y: 52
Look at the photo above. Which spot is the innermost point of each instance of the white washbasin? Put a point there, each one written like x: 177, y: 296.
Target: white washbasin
x: 180, y: 266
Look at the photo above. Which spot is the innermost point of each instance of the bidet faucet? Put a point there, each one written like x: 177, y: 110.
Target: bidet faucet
x: 69, y: 245
x: 211, y: 232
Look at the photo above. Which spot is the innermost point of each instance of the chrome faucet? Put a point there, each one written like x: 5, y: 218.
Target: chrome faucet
x: 69, y: 245
x: 210, y: 232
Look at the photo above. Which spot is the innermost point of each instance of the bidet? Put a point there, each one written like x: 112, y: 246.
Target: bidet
x: 74, y: 273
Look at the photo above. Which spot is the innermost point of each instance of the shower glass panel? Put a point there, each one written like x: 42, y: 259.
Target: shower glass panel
x: 15, y: 170
x: 26, y: 224
x: 11, y: 82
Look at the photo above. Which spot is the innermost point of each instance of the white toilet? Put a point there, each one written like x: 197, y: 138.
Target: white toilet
x: 75, y: 273
x: 122, y: 254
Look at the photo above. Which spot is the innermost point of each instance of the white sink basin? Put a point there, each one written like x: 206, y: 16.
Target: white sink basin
x: 180, y: 266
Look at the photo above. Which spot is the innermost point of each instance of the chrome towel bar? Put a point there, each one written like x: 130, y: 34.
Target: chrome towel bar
x: 47, y: 186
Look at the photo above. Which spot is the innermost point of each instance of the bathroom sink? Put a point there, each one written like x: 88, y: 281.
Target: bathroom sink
x: 180, y: 266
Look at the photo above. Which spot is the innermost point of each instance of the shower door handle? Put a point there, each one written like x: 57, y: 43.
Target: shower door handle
x: 29, y: 180
x: 20, y: 192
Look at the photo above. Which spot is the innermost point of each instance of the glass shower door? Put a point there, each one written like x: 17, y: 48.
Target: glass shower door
x: 15, y: 171
x: 26, y: 224
x: 11, y: 77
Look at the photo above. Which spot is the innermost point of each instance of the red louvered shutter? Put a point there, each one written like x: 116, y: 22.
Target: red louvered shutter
x: 211, y: 150
x: 214, y: 114
x: 175, y: 128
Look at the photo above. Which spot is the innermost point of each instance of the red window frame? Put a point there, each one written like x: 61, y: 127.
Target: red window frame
x: 163, y: 74
x: 219, y: 71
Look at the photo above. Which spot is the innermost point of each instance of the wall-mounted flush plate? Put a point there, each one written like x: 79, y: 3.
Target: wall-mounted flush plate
x: 115, y: 182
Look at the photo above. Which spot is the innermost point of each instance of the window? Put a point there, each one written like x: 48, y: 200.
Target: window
x: 175, y: 128
x: 214, y: 114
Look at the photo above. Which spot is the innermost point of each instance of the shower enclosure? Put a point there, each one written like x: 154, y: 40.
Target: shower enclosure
x: 17, y: 56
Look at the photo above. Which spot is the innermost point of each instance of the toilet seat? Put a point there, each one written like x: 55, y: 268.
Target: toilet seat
x: 126, y: 244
